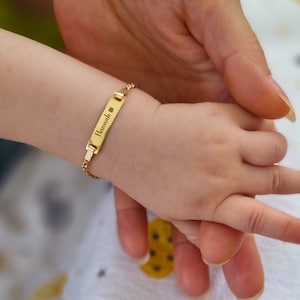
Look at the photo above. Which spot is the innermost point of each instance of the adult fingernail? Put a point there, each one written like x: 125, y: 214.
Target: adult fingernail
x: 252, y: 298
x: 291, y: 114
x: 201, y: 297
x: 215, y: 264
x: 143, y: 260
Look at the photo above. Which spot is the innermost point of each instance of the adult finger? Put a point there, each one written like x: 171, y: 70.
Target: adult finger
x: 233, y: 46
x: 218, y: 243
x: 191, y: 272
x: 244, y: 272
x: 262, y: 148
x: 249, y: 215
x: 132, y: 226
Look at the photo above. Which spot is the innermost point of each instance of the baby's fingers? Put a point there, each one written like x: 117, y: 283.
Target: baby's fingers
x: 269, y: 180
x: 263, y: 148
x: 249, y: 215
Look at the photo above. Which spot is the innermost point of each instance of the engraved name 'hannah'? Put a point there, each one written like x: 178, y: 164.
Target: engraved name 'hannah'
x: 100, y: 131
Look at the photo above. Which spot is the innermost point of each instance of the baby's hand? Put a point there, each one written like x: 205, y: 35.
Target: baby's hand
x: 203, y: 162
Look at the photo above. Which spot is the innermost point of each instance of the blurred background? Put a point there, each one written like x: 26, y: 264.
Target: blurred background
x: 34, y: 19
x: 38, y: 192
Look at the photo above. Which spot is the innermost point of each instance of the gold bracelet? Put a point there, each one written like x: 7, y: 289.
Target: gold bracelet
x: 103, y: 125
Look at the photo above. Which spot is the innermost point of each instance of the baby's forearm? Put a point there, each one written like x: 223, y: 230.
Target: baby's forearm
x: 50, y: 100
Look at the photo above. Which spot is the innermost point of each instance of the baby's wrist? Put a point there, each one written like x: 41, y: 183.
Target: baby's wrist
x: 103, y: 125
x: 125, y: 138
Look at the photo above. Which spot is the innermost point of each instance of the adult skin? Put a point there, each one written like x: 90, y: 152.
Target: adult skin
x: 180, y: 51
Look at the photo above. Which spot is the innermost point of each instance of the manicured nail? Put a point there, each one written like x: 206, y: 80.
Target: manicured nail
x: 143, y: 260
x: 201, y: 297
x: 291, y: 114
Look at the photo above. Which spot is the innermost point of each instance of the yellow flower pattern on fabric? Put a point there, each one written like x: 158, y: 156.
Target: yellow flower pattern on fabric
x: 51, y: 290
x: 160, y: 264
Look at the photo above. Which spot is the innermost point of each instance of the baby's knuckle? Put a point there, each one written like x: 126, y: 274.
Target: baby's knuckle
x: 255, y: 221
x: 214, y: 111
x: 276, y: 182
x: 280, y: 148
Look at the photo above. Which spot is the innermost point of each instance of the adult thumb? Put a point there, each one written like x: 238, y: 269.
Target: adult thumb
x: 237, y: 54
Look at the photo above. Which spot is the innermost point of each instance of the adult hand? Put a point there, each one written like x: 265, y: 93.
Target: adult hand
x: 175, y: 49
x: 178, y: 50
x: 219, y: 245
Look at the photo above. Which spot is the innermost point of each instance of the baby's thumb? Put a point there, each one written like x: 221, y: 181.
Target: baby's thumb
x: 233, y: 46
